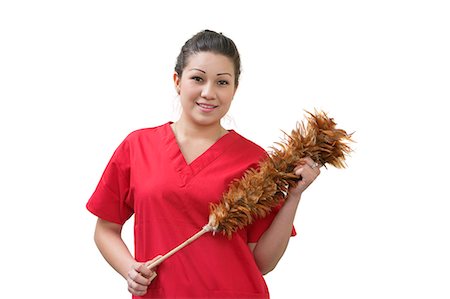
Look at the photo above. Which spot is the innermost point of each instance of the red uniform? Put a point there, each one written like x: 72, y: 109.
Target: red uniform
x: 148, y: 176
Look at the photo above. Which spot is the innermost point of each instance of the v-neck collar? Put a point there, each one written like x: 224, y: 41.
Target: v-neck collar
x: 176, y: 157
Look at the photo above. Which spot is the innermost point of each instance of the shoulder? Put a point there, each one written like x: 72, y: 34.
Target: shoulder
x: 247, y: 143
x: 144, y: 134
x: 248, y: 147
x: 145, y: 139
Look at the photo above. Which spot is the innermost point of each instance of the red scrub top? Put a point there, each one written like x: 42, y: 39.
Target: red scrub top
x: 148, y: 176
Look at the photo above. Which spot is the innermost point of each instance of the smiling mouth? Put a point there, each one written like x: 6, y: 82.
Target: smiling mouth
x: 206, y: 106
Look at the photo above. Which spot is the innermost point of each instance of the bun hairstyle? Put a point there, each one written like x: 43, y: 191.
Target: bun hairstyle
x: 209, y: 41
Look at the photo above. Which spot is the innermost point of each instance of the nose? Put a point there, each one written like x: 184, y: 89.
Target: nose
x: 208, y: 91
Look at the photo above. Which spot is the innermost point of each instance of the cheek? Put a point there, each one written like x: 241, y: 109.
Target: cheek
x: 189, y: 93
x: 227, y: 95
x: 226, y: 104
x: 228, y: 101
x: 186, y: 101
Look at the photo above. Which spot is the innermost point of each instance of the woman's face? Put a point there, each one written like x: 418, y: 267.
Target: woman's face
x: 206, y: 88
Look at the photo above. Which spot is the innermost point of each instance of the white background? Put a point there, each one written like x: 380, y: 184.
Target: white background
x: 77, y: 76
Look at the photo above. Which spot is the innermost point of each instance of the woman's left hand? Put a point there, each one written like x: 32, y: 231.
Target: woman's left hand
x: 308, y: 170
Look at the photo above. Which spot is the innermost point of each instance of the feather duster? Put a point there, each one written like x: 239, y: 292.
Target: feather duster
x: 260, y: 190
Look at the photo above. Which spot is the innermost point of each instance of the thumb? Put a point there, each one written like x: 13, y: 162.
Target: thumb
x: 155, y: 259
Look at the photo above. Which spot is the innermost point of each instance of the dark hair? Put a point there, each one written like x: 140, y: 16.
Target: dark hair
x: 209, y: 41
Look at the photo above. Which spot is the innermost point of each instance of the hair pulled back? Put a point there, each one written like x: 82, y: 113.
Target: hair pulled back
x: 209, y: 41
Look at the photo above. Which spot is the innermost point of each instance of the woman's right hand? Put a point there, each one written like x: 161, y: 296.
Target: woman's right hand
x: 140, y: 277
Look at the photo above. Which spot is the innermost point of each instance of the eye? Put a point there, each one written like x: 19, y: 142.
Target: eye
x: 197, y: 78
x: 223, y: 82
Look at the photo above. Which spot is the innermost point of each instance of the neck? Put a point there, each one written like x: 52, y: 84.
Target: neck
x: 185, y: 129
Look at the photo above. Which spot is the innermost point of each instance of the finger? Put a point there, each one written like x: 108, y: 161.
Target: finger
x: 144, y: 271
x: 298, y: 170
x: 140, y: 279
x: 308, y: 174
x: 311, y: 163
x: 153, y: 276
x: 135, y: 288
x: 306, y: 170
x: 308, y: 160
x: 148, y: 263
x: 136, y: 292
x: 314, y: 166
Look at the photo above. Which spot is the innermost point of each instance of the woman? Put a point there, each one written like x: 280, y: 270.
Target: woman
x: 168, y: 175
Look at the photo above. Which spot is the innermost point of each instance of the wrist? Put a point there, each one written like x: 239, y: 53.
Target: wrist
x: 294, y: 195
x: 126, y: 267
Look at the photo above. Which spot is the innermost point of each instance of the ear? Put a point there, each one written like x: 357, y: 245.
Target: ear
x: 176, y: 81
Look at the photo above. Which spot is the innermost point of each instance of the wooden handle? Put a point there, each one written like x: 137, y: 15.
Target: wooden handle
x: 173, y: 251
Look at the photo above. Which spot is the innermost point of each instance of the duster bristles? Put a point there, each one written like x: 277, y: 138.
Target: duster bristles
x: 260, y: 190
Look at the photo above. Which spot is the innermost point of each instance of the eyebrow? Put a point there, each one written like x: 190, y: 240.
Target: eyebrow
x: 194, y: 69
x: 224, y: 74
x: 219, y: 74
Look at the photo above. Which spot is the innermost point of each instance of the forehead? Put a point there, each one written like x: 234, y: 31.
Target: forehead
x: 210, y: 62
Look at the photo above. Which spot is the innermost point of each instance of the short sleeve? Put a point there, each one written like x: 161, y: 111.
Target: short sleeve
x: 111, y: 199
x: 257, y: 228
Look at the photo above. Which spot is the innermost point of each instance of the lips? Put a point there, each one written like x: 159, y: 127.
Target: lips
x: 206, y: 107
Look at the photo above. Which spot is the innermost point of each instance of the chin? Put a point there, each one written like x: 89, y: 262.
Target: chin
x: 202, y: 121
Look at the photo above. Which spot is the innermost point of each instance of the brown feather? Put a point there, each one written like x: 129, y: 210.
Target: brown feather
x: 259, y: 190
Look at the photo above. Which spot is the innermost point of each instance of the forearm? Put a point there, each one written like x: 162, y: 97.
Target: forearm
x: 111, y: 245
x: 273, y: 243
